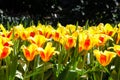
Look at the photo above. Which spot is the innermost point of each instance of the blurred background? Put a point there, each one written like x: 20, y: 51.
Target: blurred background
x: 63, y: 11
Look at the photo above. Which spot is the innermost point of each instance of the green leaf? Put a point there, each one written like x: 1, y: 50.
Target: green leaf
x: 39, y: 70
x: 72, y: 75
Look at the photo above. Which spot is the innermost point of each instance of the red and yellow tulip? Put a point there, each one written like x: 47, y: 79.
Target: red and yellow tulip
x: 39, y: 40
x: 5, y: 48
x: 104, y: 58
x: 47, y: 53
x: 30, y: 51
x: 117, y: 49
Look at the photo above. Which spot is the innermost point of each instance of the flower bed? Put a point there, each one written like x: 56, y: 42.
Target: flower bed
x: 68, y: 52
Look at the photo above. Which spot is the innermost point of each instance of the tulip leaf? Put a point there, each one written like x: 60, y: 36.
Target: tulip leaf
x: 39, y: 70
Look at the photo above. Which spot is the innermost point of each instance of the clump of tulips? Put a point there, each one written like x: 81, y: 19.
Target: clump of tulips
x: 68, y: 52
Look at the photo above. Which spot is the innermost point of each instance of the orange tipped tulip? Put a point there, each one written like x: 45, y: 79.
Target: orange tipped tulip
x: 105, y: 57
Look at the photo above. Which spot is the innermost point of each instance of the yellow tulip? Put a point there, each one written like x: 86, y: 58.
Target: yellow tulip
x: 30, y: 51
x: 5, y: 33
x: 39, y: 40
x: 104, y: 58
x: 109, y: 30
x: 18, y: 31
x: 86, y: 41
x: 47, y: 53
x: 68, y: 41
x: 101, y: 39
x: 5, y: 49
x: 71, y: 28
x: 56, y: 36
x: 117, y: 49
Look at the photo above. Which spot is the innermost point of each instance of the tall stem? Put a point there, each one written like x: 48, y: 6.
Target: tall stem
x: 101, y: 75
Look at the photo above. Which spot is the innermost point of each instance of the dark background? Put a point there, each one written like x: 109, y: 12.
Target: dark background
x: 63, y: 11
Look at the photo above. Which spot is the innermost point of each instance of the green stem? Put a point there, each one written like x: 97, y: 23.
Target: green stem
x: 35, y: 65
x: 43, y: 70
x: 101, y: 75
x: 7, y: 69
x: 84, y: 59
x: 94, y: 76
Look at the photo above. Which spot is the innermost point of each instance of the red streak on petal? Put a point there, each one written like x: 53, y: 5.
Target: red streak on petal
x: 42, y: 55
x: 50, y: 36
x: 5, y: 52
x: 46, y: 34
x: 32, y: 34
x: 110, y: 33
x: 40, y: 32
x: 8, y: 36
x: 87, y: 43
x: 70, y: 41
x: 118, y: 52
x: 27, y: 53
x: 101, y: 39
x: 102, y: 58
x: 6, y: 44
x: 57, y: 35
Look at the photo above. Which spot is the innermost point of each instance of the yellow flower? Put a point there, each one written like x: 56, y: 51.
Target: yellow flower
x: 56, y: 36
x: 31, y: 31
x: 86, y: 41
x: 4, y: 50
x: 39, y: 40
x: 101, y: 39
x: 5, y: 33
x: 48, y: 31
x: 109, y: 30
x: 18, y: 31
x: 62, y: 29
x: 5, y: 41
x: 105, y: 57
x: 117, y: 49
x: 47, y: 53
x: 118, y: 34
x: 30, y: 51
x: 71, y: 28
x: 68, y: 41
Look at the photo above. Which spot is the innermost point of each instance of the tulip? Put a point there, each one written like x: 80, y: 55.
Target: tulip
x: 30, y: 51
x: 39, y: 40
x: 117, y: 49
x: 47, y: 53
x: 105, y: 57
x: 5, y: 51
